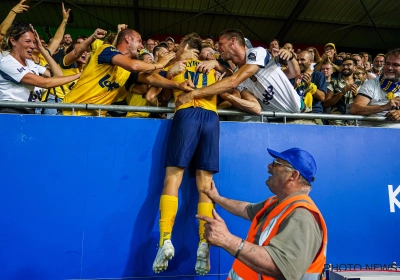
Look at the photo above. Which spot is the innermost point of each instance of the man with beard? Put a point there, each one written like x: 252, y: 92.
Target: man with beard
x: 110, y: 68
x: 377, y: 64
x: 310, y: 85
x: 381, y: 96
x: 66, y: 43
x: 257, y: 76
x: 341, y: 92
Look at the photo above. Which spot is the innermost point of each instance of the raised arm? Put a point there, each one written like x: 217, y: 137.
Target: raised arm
x: 7, y: 22
x: 235, y: 207
x: 247, y: 102
x: 135, y: 65
x: 293, y: 69
x: 360, y: 106
x: 156, y: 80
x: 55, y: 69
x: 254, y: 256
x: 120, y: 27
x: 53, y: 46
x: 225, y: 85
x: 39, y: 81
x: 74, y: 55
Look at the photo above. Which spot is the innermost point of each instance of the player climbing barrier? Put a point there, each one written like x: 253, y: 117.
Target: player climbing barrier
x: 80, y: 195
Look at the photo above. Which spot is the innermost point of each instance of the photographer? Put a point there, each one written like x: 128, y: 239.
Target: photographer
x: 381, y: 96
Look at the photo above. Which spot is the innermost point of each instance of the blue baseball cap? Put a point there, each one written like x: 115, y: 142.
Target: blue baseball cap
x: 301, y: 160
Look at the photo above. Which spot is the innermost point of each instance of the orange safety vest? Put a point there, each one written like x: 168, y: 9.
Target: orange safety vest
x: 266, y: 231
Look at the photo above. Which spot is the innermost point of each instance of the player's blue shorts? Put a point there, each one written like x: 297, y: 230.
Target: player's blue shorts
x: 194, y: 137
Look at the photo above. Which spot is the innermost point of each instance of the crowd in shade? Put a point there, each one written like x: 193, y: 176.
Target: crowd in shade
x: 120, y: 69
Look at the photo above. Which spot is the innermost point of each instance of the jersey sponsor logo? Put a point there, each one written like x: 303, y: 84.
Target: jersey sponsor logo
x: 268, y: 95
x: 35, y: 95
x: 21, y: 69
x: 252, y: 56
x: 105, y: 83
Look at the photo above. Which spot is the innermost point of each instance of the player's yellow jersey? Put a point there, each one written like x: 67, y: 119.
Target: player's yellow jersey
x: 199, y: 80
x: 99, y: 82
x: 61, y: 91
x: 94, y: 46
x: 134, y: 99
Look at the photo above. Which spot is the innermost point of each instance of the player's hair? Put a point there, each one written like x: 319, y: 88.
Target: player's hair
x: 193, y: 40
x: 230, y: 33
x: 123, y: 33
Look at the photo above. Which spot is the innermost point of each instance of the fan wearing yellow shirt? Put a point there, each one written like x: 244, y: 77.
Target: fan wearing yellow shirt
x: 194, y: 138
x: 72, y: 63
x: 109, y: 69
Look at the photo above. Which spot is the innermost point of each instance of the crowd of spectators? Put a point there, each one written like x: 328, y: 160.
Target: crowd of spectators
x: 127, y: 71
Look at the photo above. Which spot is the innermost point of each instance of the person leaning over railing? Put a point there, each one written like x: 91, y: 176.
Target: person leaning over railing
x: 21, y: 79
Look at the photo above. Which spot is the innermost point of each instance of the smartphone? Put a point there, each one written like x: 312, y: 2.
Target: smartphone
x: 71, y: 17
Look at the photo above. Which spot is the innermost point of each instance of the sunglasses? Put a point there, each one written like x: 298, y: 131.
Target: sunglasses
x: 280, y: 163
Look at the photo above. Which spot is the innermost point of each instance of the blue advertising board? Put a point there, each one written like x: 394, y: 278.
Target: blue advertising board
x: 79, y: 195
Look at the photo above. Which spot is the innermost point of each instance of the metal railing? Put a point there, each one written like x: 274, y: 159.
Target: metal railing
x: 126, y: 108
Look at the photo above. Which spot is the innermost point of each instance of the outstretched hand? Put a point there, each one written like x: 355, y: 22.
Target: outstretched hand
x: 186, y: 86
x: 393, y: 116
x: 212, y: 192
x: 65, y: 13
x: 216, y: 232
x: 163, y: 60
x: 284, y: 54
x: 99, y: 33
x: 206, y: 66
x: 20, y: 7
x: 178, y: 68
x: 189, y: 54
x: 38, y: 43
x: 184, y: 98
x: 122, y: 26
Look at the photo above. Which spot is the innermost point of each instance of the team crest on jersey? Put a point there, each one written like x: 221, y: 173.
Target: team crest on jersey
x: 21, y: 69
x: 252, y: 56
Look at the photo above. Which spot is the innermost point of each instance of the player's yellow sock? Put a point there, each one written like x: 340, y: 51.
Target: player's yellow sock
x: 205, y: 209
x: 168, y: 210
